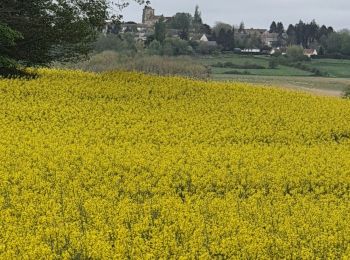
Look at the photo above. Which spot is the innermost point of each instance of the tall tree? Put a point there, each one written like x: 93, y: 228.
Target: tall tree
x: 322, y: 32
x: 182, y: 22
x: 221, y: 37
x: 280, y: 28
x: 44, y: 30
x: 345, y: 43
x: 220, y: 25
x: 160, y: 30
x: 273, y: 27
x: 291, y: 32
x: 330, y: 30
x: 8, y: 38
x: 301, y: 38
x: 312, y: 31
x: 241, y: 28
x: 231, y: 45
x: 334, y: 43
x: 225, y: 38
x: 197, y: 18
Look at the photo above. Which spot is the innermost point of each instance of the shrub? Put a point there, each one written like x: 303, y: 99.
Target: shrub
x: 305, y: 67
x: 347, y: 93
x: 232, y: 65
x: 273, y: 64
x: 17, y: 73
x: 205, y: 49
x: 155, y: 48
x: 338, y: 56
x: 160, y: 65
x: 296, y: 53
x: 112, y: 42
x: 176, y: 47
x: 237, y: 72
x: 277, y: 53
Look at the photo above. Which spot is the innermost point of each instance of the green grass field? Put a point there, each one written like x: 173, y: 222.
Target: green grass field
x: 335, y: 68
x: 284, y: 76
x: 244, y: 59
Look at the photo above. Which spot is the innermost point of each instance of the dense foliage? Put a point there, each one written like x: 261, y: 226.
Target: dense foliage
x: 158, y: 65
x: 124, y: 165
x: 39, y: 32
x: 52, y: 30
x: 7, y: 40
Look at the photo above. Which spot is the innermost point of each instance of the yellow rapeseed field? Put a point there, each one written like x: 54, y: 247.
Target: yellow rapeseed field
x: 129, y: 166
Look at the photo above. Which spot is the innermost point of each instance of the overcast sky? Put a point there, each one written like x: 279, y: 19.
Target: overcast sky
x: 254, y: 13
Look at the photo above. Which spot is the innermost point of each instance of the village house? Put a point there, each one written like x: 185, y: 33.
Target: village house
x: 204, y: 39
x: 269, y: 39
x: 310, y: 52
x: 149, y: 19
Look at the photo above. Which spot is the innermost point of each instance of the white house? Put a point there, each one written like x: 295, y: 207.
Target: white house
x: 310, y: 52
x: 204, y: 38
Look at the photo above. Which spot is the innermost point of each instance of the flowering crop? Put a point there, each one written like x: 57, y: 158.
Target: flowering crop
x: 125, y: 165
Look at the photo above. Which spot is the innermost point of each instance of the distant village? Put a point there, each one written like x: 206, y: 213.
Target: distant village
x: 243, y: 40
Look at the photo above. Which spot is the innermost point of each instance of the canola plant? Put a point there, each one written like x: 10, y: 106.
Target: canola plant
x: 131, y: 166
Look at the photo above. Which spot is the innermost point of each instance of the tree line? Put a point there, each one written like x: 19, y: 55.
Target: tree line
x: 311, y: 35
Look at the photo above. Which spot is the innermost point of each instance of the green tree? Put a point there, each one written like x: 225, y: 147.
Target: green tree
x: 292, y: 37
x: 295, y: 53
x: 281, y: 40
x: 41, y: 31
x: 330, y: 30
x: 322, y: 32
x: 312, y: 29
x: 219, y: 26
x: 174, y: 46
x: 280, y: 28
x: 155, y: 48
x: 221, y: 38
x: 300, y: 33
x: 52, y: 30
x: 206, y: 29
x: 273, y: 63
x: 8, y: 38
x: 345, y: 43
x: 273, y: 27
x: 334, y: 43
x: 197, y: 18
x: 253, y: 42
x: 241, y: 28
x: 227, y: 40
x: 182, y: 22
x: 307, y: 34
x: 160, y: 30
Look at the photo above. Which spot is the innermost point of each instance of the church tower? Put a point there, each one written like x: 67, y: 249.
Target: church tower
x: 148, y: 15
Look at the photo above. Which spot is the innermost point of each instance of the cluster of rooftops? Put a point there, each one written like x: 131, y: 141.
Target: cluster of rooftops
x: 149, y: 19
